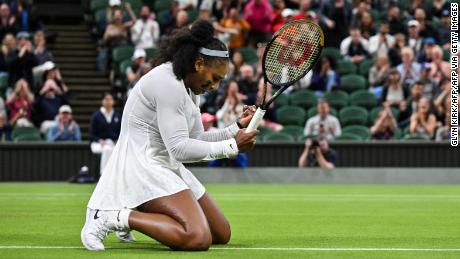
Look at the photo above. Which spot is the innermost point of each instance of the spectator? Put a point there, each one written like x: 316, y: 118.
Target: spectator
x: 323, y: 124
x: 208, y: 121
x: 288, y: 15
x: 146, y: 31
x: 8, y: 50
x: 394, y: 93
x: 277, y: 19
x: 144, y: 69
x: 237, y: 63
x: 5, y: 128
x: 366, y: 25
x: 444, y: 30
x: 425, y: 29
x: 426, y: 53
x: 20, y: 104
x: 415, y: 39
x: 104, y: 129
x: 133, y: 72
x: 50, y: 99
x: 232, y: 108
x: 385, y: 125
x: 338, y: 16
x: 234, y: 21
x: 380, y: 71
x: 116, y: 33
x: 21, y: 61
x: 395, y: 22
x: 41, y: 52
x: 259, y: 14
x: 430, y: 88
x: 440, y: 69
x: 318, y: 154
x: 22, y: 12
x: 2, y: 106
x: 410, y: 104
x: 247, y: 85
x: 442, y: 101
x: 8, y: 21
x: 423, y: 122
x: 355, y: 47
x: 442, y: 132
x: 395, y: 52
x: 324, y: 77
x: 381, y: 42
x: 408, y: 69
x: 438, y: 7
x: 53, y: 73
x: 66, y: 128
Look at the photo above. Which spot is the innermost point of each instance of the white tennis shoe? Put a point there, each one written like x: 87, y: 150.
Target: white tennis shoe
x: 98, y: 225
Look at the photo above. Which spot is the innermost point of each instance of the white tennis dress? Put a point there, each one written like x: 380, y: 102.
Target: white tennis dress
x: 161, y: 129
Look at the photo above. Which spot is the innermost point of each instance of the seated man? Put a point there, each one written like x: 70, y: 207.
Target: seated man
x: 355, y: 47
x: 66, y: 129
x: 323, y: 124
x: 318, y: 154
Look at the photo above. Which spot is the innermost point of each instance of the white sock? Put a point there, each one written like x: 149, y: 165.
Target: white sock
x: 124, y: 217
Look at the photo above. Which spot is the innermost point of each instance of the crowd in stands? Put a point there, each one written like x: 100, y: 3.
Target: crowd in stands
x: 383, y: 73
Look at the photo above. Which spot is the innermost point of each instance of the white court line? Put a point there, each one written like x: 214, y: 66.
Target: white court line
x: 260, y: 248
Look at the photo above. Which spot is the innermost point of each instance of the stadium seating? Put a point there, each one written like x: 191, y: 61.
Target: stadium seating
x: 351, y: 115
x: 333, y: 52
x: 415, y: 137
x: 122, y: 53
x: 278, y: 137
x: 249, y: 55
x: 303, y: 98
x: 346, y: 67
x: 96, y: 5
x: 162, y: 5
x: 351, y: 83
x: 282, y: 100
x: 291, y: 115
x: 365, y: 67
x: 26, y: 134
x: 150, y: 52
x: 362, y: 131
x: 348, y: 136
x: 3, y: 83
x: 364, y: 99
x: 337, y: 99
x: 293, y: 130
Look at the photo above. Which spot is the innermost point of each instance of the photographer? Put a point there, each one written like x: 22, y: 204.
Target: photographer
x: 317, y: 153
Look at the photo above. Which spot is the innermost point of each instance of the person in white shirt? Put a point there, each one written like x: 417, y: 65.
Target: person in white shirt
x: 382, y: 41
x: 355, y: 47
x: 146, y: 32
x: 323, y: 124
x: 145, y: 185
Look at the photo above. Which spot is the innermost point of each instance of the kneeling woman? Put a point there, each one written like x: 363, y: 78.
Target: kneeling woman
x: 145, y: 186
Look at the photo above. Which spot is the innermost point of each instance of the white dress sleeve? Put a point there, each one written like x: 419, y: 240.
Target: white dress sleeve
x: 174, y: 129
x: 215, y: 135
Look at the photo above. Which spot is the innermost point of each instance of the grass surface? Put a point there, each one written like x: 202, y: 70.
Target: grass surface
x: 262, y: 216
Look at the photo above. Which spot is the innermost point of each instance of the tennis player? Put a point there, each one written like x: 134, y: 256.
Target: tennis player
x: 145, y: 186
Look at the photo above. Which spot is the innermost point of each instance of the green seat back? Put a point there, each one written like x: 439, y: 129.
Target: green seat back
x: 365, y: 67
x: 96, y: 5
x: 282, y: 100
x: 249, y: 55
x: 364, y: 99
x: 348, y: 136
x: 278, y: 137
x: 346, y: 67
x: 293, y: 130
x: 333, y: 52
x: 337, y: 99
x: 291, y: 115
x: 353, y: 115
x: 362, y: 131
x: 121, y: 53
x: 313, y: 111
x: 351, y: 83
x: 303, y: 98
x: 162, y: 5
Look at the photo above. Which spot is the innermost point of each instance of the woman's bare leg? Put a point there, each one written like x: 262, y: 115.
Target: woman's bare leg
x: 220, y: 228
x: 176, y: 221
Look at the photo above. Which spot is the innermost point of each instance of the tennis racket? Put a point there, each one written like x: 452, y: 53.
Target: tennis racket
x: 291, y: 53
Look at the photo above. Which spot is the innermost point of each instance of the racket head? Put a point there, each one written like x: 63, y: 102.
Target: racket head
x: 293, y: 51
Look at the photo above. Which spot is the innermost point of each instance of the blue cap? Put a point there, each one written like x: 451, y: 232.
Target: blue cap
x: 23, y: 35
x: 429, y: 41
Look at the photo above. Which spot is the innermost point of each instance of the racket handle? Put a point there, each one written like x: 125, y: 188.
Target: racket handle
x: 258, y: 116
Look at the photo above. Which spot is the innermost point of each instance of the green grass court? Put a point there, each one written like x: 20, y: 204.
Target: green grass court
x: 268, y: 221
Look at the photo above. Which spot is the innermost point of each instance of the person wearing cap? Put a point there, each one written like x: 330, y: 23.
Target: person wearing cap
x: 444, y: 30
x: 317, y: 153
x: 288, y: 15
x: 415, y: 39
x: 22, y: 61
x: 430, y: 87
x: 52, y: 72
x: 382, y: 41
x: 66, y: 128
x: 145, y: 33
x: 426, y: 53
x: 145, y: 181
x: 137, y: 60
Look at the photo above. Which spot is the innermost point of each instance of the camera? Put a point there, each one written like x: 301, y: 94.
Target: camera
x: 314, y: 143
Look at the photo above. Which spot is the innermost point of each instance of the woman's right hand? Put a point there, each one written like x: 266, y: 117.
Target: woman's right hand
x: 246, y: 141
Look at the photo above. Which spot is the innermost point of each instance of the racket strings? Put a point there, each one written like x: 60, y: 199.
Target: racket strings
x: 293, y: 52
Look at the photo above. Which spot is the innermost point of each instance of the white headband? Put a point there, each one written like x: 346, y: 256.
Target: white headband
x: 214, y: 53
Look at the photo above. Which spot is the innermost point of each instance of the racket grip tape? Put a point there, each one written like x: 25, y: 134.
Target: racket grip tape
x: 258, y: 116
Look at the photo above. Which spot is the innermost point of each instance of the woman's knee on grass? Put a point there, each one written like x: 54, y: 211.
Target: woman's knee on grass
x: 195, y: 240
x: 222, y: 234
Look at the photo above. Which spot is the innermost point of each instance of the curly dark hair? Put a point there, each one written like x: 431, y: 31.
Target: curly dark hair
x: 181, y: 48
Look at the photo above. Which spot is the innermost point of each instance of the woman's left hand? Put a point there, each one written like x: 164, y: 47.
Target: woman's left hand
x: 248, y: 112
